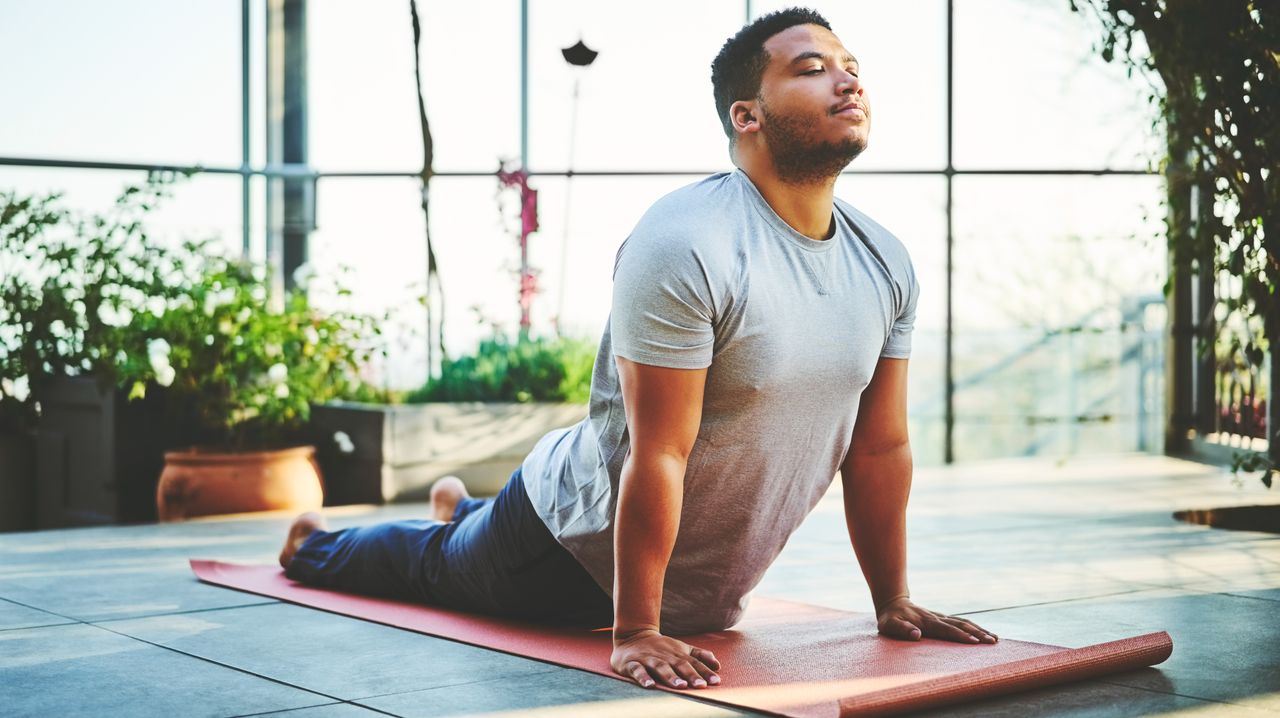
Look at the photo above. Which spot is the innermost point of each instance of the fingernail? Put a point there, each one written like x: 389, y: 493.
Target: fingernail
x: 973, y: 639
x: 699, y: 683
x: 679, y: 683
x: 647, y: 684
x: 714, y: 680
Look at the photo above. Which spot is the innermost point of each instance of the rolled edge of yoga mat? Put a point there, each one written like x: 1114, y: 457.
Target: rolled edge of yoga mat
x: 1072, y: 664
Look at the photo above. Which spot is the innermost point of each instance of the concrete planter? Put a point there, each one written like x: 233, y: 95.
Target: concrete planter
x: 386, y: 453
x: 17, y: 481
x: 99, y: 456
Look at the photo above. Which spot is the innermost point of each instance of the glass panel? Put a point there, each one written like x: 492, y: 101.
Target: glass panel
x: 646, y: 101
x: 203, y: 206
x: 905, y: 75
x: 127, y: 82
x: 385, y: 263
x: 364, y: 112
x: 1031, y: 92
x: 1058, y: 315
x: 914, y: 210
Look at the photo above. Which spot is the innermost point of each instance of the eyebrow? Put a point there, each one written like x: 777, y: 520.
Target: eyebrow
x: 812, y: 55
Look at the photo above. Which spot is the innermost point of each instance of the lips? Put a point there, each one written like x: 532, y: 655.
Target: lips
x: 849, y: 106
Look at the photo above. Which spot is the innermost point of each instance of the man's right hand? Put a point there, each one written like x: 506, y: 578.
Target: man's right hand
x: 646, y: 656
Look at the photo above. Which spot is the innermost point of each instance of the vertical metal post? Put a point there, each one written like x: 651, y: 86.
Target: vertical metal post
x: 747, y: 8
x: 1180, y: 373
x: 949, y: 419
x: 246, y: 223
x: 524, y: 84
x: 1205, y: 365
x: 290, y: 200
x: 299, y: 215
x: 1273, y: 405
x: 273, y: 59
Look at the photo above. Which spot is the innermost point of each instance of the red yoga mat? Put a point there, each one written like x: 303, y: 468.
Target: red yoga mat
x: 785, y: 658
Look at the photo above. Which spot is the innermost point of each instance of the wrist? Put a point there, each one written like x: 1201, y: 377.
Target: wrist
x: 623, y: 633
x: 883, y: 604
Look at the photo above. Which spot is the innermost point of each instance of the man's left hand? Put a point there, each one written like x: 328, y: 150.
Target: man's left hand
x: 904, y: 620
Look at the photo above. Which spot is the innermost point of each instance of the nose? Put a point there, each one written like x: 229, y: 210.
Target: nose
x: 848, y: 84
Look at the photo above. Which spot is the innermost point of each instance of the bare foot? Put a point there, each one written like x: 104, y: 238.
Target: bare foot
x: 445, y: 495
x: 302, y: 527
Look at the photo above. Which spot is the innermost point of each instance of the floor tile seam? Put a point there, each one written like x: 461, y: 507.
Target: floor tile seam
x: 1175, y: 586
x: 1060, y: 601
x: 67, y: 622
x: 286, y: 710
x: 687, y: 696
x: 552, y: 668
x: 206, y: 659
x: 1204, y: 699
x: 321, y: 705
x: 162, y: 614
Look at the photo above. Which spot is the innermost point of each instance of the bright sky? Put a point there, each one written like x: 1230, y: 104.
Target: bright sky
x: 158, y: 81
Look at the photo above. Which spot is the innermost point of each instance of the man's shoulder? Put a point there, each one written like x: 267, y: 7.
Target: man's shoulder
x: 692, y: 211
x: 880, y: 241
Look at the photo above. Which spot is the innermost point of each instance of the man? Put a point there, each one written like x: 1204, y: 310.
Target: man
x: 757, y: 344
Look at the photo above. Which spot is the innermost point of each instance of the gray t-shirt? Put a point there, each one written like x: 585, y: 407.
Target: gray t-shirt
x: 791, y: 329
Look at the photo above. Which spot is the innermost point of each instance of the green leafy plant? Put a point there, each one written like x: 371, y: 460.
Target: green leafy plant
x: 69, y: 286
x: 95, y: 297
x: 249, y: 372
x: 523, y: 371
x: 1214, y: 66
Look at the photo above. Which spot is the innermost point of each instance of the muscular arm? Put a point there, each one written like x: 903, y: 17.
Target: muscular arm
x: 663, y: 407
x: 876, y: 475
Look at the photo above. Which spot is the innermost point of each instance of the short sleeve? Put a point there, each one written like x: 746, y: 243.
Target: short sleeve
x: 898, y: 345
x: 662, y: 313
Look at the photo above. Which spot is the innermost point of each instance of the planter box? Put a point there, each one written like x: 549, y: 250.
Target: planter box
x: 17, y: 481
x: 99, y: 456
x: 395, y: 452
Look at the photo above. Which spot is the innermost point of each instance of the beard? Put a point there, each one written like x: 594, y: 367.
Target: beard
x: 800, y: 159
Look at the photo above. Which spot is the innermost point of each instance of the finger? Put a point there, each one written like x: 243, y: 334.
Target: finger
x: 662, y: 671
x: 707, y: 672
x: 984, y: 635
x: 707, y: 657
x: 896, y: 627
x: 690, y: 674
x: 639, y: 674
x: 941, y: 628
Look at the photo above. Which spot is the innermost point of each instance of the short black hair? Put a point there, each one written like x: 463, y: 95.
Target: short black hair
x: 736, y: 71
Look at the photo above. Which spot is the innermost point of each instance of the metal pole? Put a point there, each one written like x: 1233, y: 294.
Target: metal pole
x: 747, y: 7
x: 949, y: 419
x: 299, y: 192
x: 524, y: 84
x: 245, y: 137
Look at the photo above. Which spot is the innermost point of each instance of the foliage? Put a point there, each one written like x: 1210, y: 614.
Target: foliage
x: 250, y: 372
x: 68, y: 285
x: 96, y: 297
x: 1218, y: 62
x: 527, y: 370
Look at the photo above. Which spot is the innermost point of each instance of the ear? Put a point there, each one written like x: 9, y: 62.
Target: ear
x: 745, y: 116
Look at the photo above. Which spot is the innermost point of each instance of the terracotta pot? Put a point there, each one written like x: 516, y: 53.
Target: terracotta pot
x: 203, y: 482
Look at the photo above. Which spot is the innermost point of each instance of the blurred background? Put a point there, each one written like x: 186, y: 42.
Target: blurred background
x: 1014, y: 163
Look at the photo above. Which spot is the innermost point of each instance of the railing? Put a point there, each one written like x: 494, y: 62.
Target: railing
x: 1083, y: 388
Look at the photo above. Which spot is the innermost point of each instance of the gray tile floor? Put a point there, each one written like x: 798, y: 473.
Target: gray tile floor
x: 109, y: 621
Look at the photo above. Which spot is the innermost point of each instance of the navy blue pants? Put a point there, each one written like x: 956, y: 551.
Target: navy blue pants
x: 495, y: 557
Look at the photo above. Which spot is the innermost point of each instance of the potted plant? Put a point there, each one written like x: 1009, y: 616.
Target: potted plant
x: 69, y: 285
x: 477, y: 420
x: 249, y: 374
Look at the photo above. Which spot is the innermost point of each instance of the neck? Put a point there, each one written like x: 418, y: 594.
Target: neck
x: 806, y: 207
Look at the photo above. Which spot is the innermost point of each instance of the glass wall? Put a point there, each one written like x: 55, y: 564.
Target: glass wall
x: 1028, y: 171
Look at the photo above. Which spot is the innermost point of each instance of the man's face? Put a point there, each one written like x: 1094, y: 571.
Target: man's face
x: 816, y: 116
